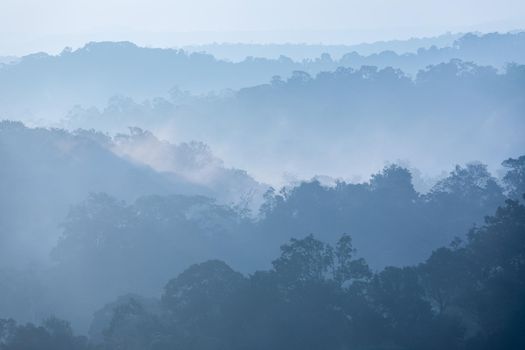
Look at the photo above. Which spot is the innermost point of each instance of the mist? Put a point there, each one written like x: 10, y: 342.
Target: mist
x: 253, y: 176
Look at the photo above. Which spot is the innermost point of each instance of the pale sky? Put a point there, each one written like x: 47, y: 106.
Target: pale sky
x: 50, y: 25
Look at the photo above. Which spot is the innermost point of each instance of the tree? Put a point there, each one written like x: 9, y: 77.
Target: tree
x: 53, y: 334
x: 497, y: 250
x: 304, y: 260
x: 394, y: 182
x: 347, y: 268
x: 514, y: 179
x: 200, y: 304
x: 132, y: 327
x: 446, y: 276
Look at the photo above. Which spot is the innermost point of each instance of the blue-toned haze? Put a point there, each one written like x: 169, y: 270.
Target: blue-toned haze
x: 247, y: 174
x: 34, y: 25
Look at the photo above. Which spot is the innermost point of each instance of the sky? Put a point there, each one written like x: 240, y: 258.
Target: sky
x: 35, y: 25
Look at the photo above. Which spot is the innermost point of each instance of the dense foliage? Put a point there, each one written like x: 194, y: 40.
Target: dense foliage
x: 111, y: 247
x: 470, y: 295
x: 151, y: 240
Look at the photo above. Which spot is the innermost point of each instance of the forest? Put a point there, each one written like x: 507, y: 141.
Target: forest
x: 227, y: 196
x: 468, y: 295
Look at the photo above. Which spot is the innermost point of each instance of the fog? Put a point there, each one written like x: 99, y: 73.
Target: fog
x: 269, y: 116
x: 262, y: 194
x: 32, y: 26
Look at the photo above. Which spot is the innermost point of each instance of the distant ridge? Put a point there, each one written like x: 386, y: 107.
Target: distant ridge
x: 299, y: 51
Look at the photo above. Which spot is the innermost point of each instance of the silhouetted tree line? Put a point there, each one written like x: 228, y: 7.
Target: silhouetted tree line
x: 470, y: 295
x: 52, y: 334
x: 290, y: 115
x: 389, y: 220
x: 110, y: 247
x: 442, y: 90
x: 460, y: 91
x: 400, y: 291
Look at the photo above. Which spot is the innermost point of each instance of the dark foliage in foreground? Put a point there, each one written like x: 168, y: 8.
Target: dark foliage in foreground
x: 470, y: 295
x: 53, y: 334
